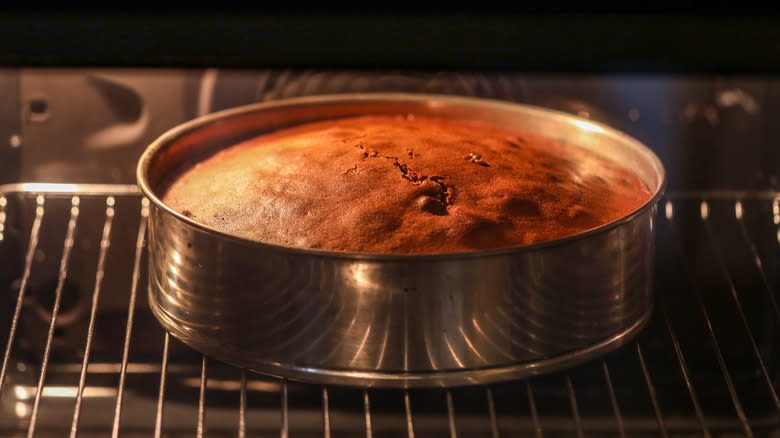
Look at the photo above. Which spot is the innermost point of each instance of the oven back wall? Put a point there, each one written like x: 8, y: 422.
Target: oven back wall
x: 91, y: 125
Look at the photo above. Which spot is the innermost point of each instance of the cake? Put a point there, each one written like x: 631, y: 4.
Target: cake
x: 403, y: 184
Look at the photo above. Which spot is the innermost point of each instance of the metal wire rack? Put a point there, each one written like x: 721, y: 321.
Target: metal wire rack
x: 82, y: 355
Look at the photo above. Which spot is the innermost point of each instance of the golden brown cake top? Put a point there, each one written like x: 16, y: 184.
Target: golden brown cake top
x: 405, y: 185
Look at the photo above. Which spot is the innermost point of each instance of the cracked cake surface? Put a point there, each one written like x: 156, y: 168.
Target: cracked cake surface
x: 404, y: 184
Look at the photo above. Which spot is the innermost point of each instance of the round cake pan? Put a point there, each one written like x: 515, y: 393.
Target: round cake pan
x: 398, y: 320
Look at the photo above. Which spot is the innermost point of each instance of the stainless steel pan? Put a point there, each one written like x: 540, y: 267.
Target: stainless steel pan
x: 398, y: 320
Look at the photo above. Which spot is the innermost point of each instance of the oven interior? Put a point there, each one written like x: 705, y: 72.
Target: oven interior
x: 84, y: 356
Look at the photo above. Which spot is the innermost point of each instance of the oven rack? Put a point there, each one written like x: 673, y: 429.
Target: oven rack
x: 706, y: 365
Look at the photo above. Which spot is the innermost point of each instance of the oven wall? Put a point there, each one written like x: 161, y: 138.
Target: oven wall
x: 10, y: 126
x: 91, y: 125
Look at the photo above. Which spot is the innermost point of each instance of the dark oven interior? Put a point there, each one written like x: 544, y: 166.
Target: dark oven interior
x: 84, y: 355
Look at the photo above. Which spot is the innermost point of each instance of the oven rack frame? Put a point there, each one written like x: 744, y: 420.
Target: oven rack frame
x: 404, y: 422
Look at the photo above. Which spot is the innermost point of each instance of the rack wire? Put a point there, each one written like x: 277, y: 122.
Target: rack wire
x: 705, y: 366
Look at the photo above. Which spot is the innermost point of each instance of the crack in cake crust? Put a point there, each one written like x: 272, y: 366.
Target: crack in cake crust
x: 432, y: 204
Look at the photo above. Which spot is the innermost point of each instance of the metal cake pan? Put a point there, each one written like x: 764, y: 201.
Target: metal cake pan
x: 378, y: 320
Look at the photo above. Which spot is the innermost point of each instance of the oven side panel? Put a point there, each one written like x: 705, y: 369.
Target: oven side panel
x: 10, y: 126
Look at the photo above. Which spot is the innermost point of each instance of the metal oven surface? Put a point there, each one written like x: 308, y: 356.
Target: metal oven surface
x: 82, y: 354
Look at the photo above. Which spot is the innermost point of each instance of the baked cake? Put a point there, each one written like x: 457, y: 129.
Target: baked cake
x: 404, y: 184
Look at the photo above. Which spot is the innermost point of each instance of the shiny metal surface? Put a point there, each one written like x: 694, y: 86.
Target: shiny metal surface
x: 399, y: 321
